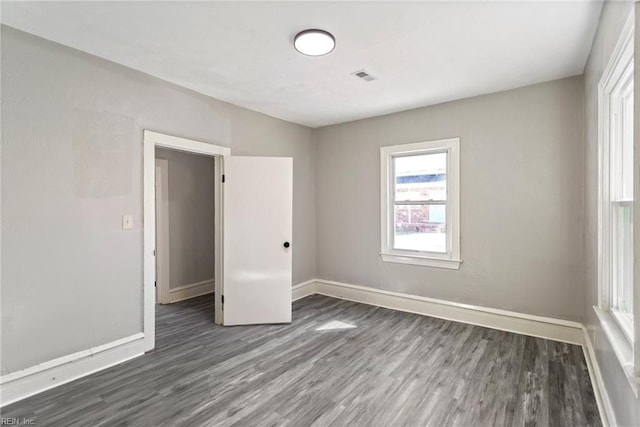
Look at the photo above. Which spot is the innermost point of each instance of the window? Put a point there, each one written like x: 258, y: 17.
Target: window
x: 616, y: 185
x: 616, y: 190
x: 420, y: 206
x: 616, y: 309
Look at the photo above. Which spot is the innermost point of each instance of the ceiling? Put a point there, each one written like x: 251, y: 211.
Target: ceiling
x: 421, y: 53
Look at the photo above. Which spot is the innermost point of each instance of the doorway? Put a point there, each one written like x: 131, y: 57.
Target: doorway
x: 184, y: 226
x: 253, y: 226
x: 152, y: 141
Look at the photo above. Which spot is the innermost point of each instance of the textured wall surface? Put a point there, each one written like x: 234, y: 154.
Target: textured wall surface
x: 72, y: 165
x: 521, y: 200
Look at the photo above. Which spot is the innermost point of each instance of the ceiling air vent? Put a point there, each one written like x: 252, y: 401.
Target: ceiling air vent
x: 363, y: 75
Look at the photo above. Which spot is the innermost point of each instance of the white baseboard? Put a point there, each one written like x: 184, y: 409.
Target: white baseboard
x: 303, y: 289
x: 510, y: 321
x: 191, y: 290
x: 599, y: 390
x: 36, y: 379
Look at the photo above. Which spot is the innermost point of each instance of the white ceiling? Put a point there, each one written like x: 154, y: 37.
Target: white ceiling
x: 422, y: 53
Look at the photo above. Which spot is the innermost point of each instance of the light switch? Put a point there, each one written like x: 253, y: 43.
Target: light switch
x: 127, y: 222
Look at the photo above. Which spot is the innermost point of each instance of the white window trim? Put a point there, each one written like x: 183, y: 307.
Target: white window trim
x: 451, y: 259
x: 626, y: 347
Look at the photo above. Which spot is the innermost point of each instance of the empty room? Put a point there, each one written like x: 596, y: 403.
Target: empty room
x: 317, y: 213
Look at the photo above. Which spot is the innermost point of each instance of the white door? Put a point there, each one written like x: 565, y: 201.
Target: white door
x: 258, y: 194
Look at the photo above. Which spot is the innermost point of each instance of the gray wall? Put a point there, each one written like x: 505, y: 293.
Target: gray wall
x: 521, y: 200
x: 72, y: 165
x: 190, y: 217
x: 626, y: 406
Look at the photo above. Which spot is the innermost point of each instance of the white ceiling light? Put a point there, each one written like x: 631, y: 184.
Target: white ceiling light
x: 314, y: 42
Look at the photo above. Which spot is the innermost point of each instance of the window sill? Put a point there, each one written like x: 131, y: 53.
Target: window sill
x: 451, y: 264
x: 621, y: 347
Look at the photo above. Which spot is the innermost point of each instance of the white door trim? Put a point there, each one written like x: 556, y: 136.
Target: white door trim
x: 151, y: 141
x: 163, y: 253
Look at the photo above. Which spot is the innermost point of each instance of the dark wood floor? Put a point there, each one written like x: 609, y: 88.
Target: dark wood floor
x: 339, y: 363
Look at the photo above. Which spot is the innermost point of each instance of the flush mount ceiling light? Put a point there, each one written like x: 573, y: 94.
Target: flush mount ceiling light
x: 314, y: 42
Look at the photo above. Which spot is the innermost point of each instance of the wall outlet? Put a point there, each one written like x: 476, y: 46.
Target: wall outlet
x: 127, y: 222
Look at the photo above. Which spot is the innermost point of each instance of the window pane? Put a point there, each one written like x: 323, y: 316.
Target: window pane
x: 626, y: 152
x: 421, y: 177
x: 622, y: 258
x: 420, y: 228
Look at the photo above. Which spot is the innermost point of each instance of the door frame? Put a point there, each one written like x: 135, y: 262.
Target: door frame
x: 151, y: 140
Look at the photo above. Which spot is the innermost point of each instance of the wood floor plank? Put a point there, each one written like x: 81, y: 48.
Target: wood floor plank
x: 339, y: 363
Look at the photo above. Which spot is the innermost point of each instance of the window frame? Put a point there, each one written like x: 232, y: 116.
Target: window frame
x: 615, y: 117
x: 611, y: 88
x: 449, y: 259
